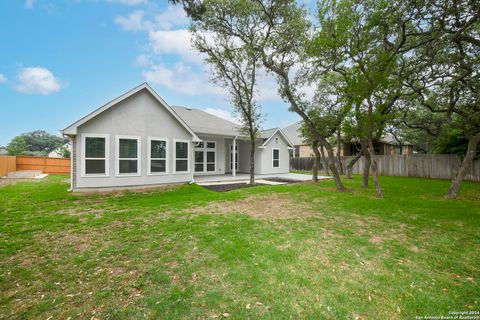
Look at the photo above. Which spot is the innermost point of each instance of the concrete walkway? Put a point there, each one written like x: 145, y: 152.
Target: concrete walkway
x: 241, y: 177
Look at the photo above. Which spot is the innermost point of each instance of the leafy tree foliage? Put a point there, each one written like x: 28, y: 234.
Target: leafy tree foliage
x: 38, y: 143
x: 234, y: 65
x: 17, y: 146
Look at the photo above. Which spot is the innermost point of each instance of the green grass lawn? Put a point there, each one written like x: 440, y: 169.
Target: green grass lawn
x: 274, y: 252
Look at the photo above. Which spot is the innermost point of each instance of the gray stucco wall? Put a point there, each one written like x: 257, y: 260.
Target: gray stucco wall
x: 265, y: 156
x: 139, y: 115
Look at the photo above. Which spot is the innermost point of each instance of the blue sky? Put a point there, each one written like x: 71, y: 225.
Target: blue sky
x: 62, y: 59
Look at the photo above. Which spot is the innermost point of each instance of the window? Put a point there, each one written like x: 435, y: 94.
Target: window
x: 95, y: 155
x: 182, y: 156
x: 276, y: 157
x: 157, y: 156
x: 199, y: 160
x: 128, y: 156
x: 297, y: 151
x: 205, y: 156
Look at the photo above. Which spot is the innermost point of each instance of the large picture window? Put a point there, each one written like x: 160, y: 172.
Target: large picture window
x: 95, y: 155
x: 157, y: 156
x: 276, y: 158
x: 182, y: 154
x: 128, y: 155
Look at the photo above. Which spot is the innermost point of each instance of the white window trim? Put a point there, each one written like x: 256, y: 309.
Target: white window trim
x: 273, y: 159
x: 149, y: 156
x: 205, y: 163
x: 107, y: 155
x: 174, y: 148
x: 117, y: 156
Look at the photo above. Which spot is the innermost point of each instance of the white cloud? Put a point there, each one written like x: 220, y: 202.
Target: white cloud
x: 128, y: 2
x: 222, y: 114
x: 37, y: 80
x: 143, y: 60
x: 173, y: 42
x: 170, y: 40
x: 134, y: 22
x: 172, y: 17
x: 29, y: 4
x: 181, y: 79
x: 3, y: 79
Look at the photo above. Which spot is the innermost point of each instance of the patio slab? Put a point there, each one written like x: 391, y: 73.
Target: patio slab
x: 240, y: 177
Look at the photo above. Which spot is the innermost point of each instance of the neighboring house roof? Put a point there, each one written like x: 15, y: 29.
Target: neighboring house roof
x: 293, y: 133
x: 3, y: 151
x: 268, y: 135
x: 389, y: 138
x: 72, y: 129
x: 203, y: 122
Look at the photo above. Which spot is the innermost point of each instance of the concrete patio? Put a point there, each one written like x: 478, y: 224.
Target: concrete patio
x: 245, y: 177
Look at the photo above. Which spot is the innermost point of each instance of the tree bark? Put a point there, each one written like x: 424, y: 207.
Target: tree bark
x: 349, y: 168
x: 366, y: 165
x: 333, y: 168
x: 339, y: 158
x: 316, y: 161
x: 378, y: 188
x: 466, y: 164
x: 324, y: 161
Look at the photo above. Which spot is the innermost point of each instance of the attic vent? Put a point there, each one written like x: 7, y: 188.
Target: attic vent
x: 189, y: 109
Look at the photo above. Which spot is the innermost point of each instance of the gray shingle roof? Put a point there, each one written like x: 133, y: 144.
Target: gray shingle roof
x: 265, y: 134
x: 293, y: 134
x: 203, y: 122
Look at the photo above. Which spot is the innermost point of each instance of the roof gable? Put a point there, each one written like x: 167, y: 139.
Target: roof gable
x: 72, y: 129
x: 272, y: 133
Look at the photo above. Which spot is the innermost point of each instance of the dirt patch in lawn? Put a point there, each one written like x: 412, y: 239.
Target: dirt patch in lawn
x: 283, y: 180
x: 230, y: 186
x: 262, y: 206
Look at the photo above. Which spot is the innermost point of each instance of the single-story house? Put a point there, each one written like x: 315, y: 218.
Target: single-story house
x: 140, y: 140
x: 387, y: 145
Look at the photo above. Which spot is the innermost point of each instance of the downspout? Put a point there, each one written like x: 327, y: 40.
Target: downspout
x: 72, y: 159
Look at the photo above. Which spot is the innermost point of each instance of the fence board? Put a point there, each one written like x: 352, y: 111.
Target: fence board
x: 7, y: 164
x: 417, y: 165
x: 45, y: 164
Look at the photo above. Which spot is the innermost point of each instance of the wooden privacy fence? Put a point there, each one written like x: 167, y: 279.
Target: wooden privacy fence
x: 45, y: 164
x: 7, y: 164
x: 417, y: 165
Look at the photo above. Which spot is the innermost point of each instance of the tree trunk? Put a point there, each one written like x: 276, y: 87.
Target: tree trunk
x: 324, y: 161
x: 252, y: 159
x: 378, y: 188
x: 333, y: 168
x: 349, y: 168
x: 339, y: 158
x: 366, y: 165
x: 316, y: 161
x: 464, y: 167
